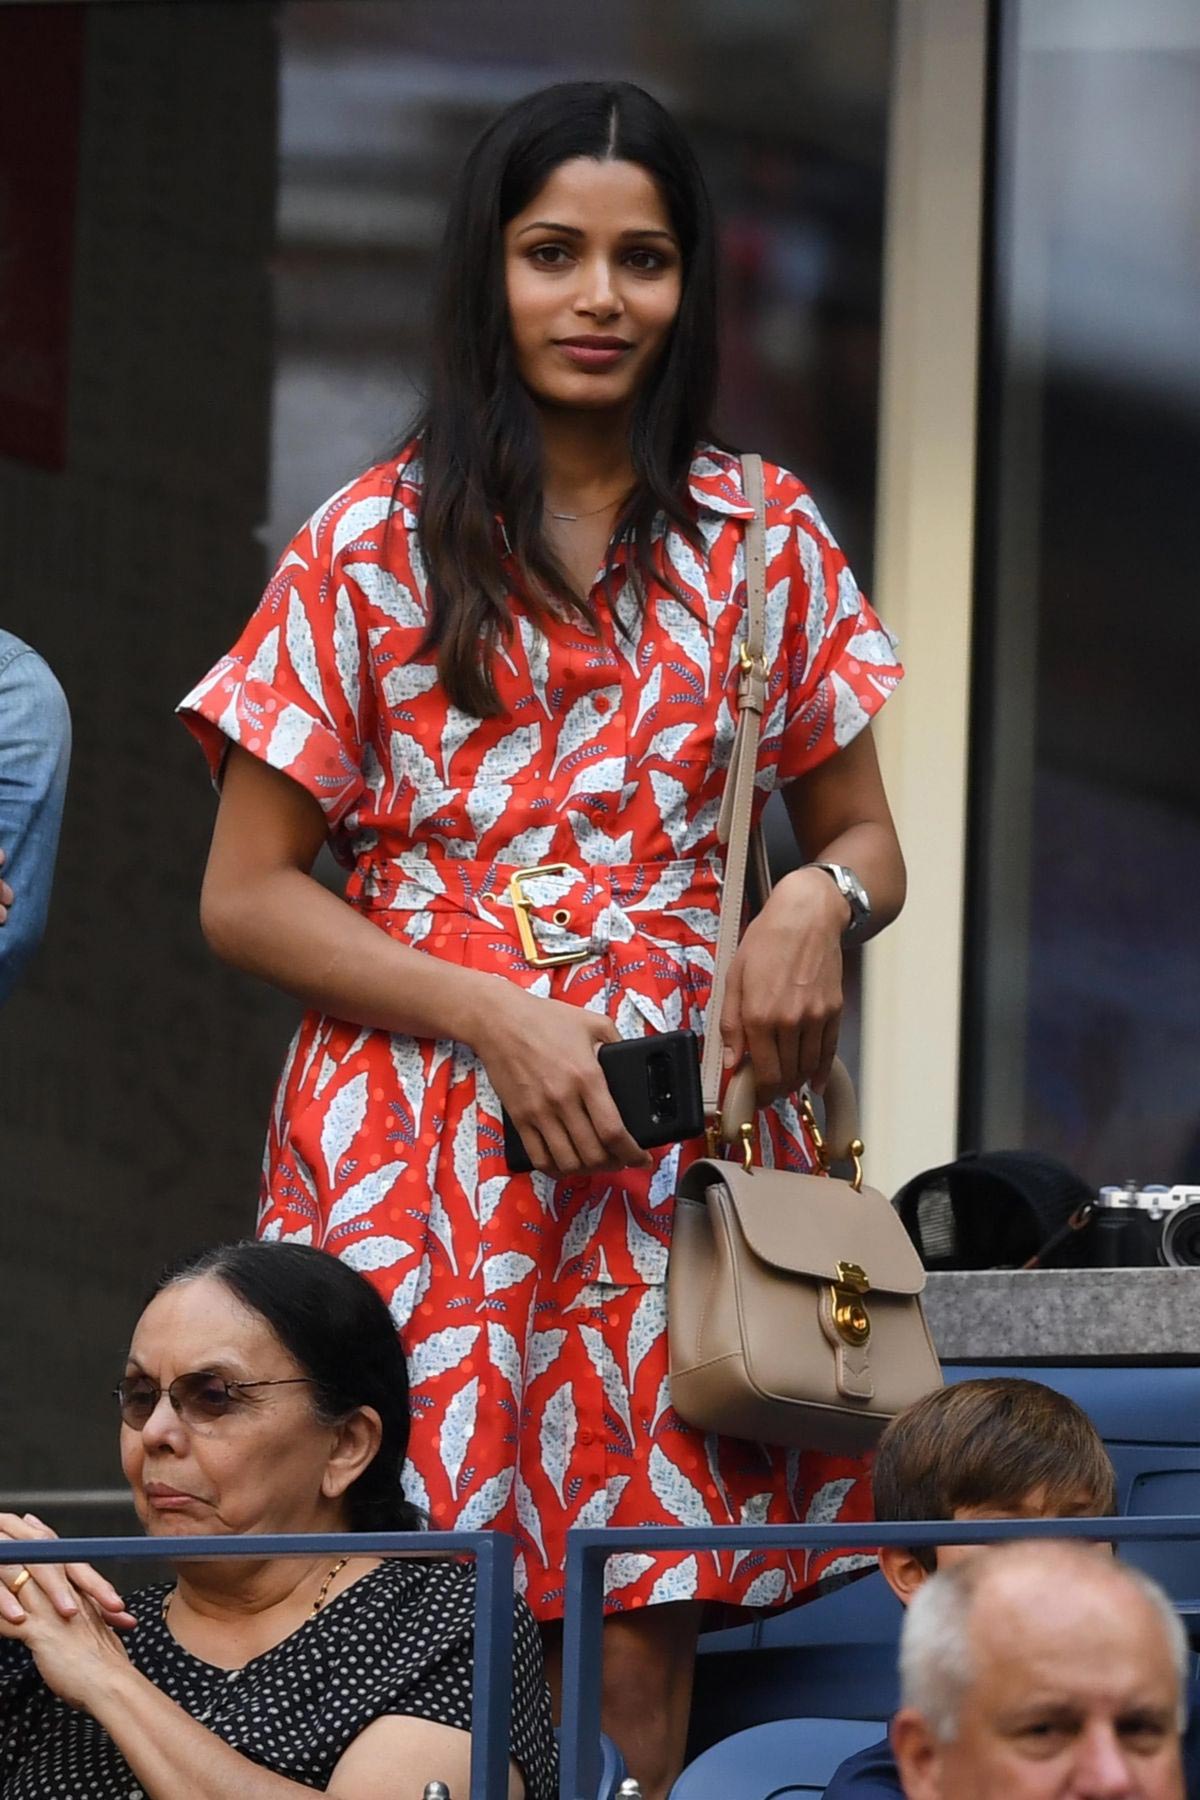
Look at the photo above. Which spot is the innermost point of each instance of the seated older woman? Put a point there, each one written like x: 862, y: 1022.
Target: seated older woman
x: 265, y: 1392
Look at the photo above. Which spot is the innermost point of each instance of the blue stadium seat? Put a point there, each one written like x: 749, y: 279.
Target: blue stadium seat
x: 786, y: 1757
x: 836, y: 1655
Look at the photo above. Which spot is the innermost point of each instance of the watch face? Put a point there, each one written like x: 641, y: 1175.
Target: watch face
x: 854, y: 892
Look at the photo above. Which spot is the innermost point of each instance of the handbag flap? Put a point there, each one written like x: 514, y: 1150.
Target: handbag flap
x: 808, y: 1224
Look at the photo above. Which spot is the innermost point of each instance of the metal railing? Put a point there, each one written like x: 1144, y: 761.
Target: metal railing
x: 588, y: 1552
x: 491, y: 1701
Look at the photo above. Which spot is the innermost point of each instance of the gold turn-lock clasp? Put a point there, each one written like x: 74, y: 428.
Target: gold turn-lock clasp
x: 531, y: 950
x: 851, y: 1320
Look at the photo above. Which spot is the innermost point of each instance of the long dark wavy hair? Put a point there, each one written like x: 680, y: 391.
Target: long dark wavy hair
x: 339, y: 1331
x: 480, y: 440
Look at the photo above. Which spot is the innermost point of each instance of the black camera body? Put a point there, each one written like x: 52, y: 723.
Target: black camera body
x: 1145, y: 1228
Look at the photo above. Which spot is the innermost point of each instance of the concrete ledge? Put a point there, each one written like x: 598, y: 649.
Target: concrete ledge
x: 1064, y: 1315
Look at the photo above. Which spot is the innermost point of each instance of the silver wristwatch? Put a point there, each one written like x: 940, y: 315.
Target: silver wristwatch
x: 854, y: 894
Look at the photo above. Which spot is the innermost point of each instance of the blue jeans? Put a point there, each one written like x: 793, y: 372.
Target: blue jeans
x: 35, y: 749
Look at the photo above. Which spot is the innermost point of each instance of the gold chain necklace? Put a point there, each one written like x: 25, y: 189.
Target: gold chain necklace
x: 317, y: 1604
x: 574, y: 518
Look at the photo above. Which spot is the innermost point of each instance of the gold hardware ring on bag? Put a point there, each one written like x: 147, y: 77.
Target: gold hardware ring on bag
x: 531, y: 950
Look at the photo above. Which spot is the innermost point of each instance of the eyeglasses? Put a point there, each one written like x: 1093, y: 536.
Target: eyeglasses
x: 198, y: 1398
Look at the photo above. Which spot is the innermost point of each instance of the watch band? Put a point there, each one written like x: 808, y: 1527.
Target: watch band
x: 854, y: 894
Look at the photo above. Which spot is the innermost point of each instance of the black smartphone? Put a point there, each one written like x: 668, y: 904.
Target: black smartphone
x: 655, y: 1082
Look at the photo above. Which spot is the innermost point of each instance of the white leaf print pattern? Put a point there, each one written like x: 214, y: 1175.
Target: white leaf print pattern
x: 291, y: 733
x: 674, y: 1492
x: 531, y: 846
x: 458, y: 728
x: 441, y: 1351
x: 409, y: 1063
x: 684, y: 629
x: 466, y: 1153
x: 826, y: 1503
x: 527, y: 1517
x: 675, y: 880
x: 505, y: 1270
x: 413, y: 1483
x: 302, y: 652
x: 376, y: 1252
x: 676, y: 1584
x: 583, y: 722
x: 665, y: 1178
x: 603, y: 777
x: 875, y: 647
x: 409, y: 1293
x: 443, y: 1231
x: 487, y: 1504
x: 648, y: 1256
x: 406, y: 681
x: 645, y: 1328
x: 649, y: 696
x: 364, y: 1195
x: 544, y: 1350
x: 662, y: 1402
x: 537, y: 659
x: 491, y: 1192
x: 624, y: 1569
x: 458, y: 1428
x: 384, y: 591
x: 630, y: 619
x: 672, y: 799
x: 358, y: 519
x: 686, y: 565
x: 580, y: 1232
x: 765, y: 1589
x: 411, y: 767
x: 667, y: 743
x: 504, y: 1355
x: 266, y: 659
x: 343, y: 1120
x: 604, y: 1363
x: 346, y: 650
x: 596, y: 846
x: 557, y: 1437
x: 849, y: 716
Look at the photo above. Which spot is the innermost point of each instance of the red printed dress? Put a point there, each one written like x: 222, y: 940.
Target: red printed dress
x: 532, y: 1311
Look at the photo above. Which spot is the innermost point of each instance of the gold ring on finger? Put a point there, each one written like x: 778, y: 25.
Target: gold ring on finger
x: 14, y: 1587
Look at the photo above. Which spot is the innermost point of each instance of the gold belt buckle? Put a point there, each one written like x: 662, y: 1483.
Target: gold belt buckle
x: 531, y: 950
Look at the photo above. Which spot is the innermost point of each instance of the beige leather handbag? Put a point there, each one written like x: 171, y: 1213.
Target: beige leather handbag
x: 793, y: 1301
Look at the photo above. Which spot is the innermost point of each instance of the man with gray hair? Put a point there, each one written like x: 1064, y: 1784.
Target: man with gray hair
x: 1041, y: 1672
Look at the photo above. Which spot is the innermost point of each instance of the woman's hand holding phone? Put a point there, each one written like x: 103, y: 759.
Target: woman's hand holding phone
x: 541, y: 1058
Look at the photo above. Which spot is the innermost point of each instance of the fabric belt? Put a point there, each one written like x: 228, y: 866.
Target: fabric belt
x: 570, y: 913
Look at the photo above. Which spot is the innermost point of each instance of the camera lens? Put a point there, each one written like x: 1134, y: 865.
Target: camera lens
x: 1181, y: 1238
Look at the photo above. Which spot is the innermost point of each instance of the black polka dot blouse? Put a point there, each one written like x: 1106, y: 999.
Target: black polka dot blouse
x: 398, y: 1641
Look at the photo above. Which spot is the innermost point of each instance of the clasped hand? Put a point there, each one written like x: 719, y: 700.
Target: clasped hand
x: 67, y: 1614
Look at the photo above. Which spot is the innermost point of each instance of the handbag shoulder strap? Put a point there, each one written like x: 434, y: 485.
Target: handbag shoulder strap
x: 737, y: 804
x: 735, y: 828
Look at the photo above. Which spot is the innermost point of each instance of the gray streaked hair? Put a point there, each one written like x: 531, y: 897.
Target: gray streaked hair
x: 936, y: 1664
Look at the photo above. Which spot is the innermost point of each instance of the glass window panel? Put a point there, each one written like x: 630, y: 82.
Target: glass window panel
x: 1082, y: 1031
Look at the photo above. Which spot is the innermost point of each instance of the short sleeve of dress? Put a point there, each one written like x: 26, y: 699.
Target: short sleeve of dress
x: 842, y: 660
x: 294, y: 689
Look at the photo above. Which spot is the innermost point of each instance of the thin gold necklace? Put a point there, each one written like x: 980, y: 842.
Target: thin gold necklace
x: 574, y: 518
x: 317, y: 1604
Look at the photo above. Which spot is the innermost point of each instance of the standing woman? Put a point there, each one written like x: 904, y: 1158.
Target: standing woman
x: 515, y: 644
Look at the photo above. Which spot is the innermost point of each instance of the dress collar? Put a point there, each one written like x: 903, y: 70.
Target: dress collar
x: 715, y: 483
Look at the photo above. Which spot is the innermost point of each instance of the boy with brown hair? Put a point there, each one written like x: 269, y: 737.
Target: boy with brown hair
x: 995, y: 1448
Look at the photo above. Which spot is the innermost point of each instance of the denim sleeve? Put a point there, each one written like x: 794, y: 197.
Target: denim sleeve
x: 35, y: 749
